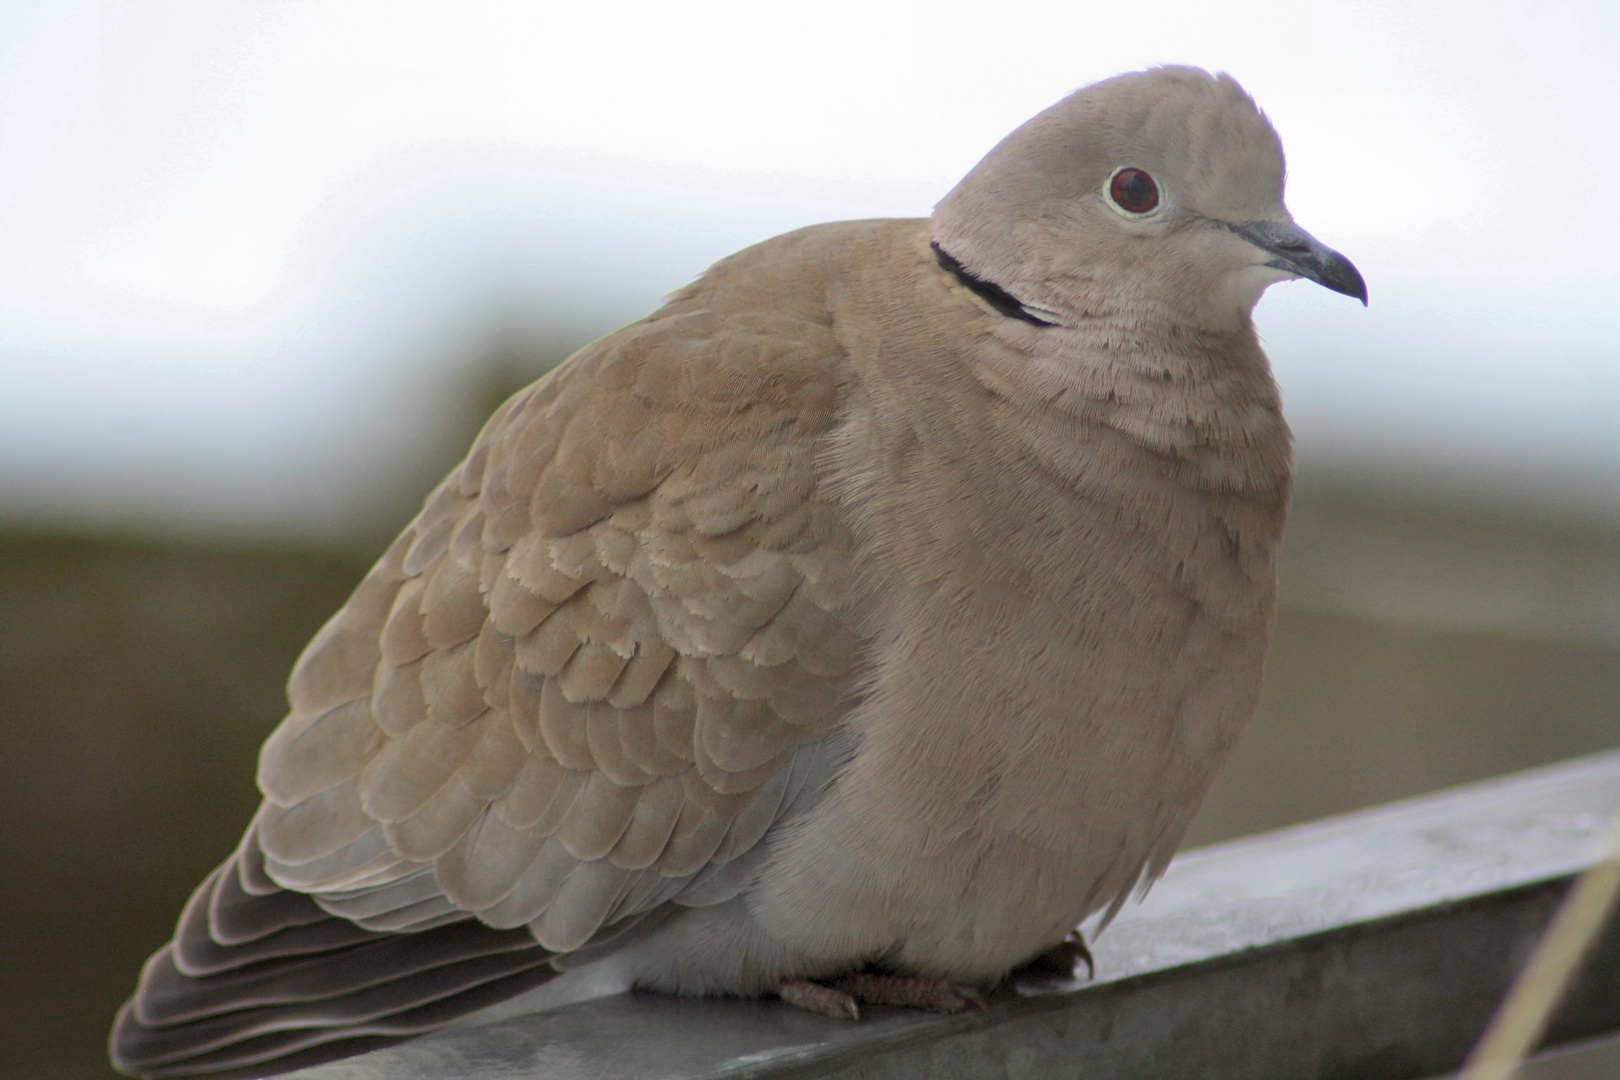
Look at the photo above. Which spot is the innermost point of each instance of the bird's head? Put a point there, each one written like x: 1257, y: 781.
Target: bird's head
x: 1157, y: 189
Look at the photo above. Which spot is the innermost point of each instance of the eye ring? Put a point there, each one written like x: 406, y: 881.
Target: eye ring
x: 1132, y: 191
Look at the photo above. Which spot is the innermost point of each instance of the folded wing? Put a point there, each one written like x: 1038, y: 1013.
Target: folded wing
x: 575, y: 691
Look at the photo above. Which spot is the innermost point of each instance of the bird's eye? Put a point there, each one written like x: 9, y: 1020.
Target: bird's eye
x: 1133, y: 191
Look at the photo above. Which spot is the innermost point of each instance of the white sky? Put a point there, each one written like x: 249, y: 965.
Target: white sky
x: 245, y: 246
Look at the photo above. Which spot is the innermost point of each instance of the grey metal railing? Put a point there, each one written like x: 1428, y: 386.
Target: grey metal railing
x: 1369, y: 946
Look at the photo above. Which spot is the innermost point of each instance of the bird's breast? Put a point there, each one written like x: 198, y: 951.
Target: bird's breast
x: 1055, y: 678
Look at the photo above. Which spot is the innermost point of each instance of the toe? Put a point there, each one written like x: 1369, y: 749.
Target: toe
x: 935, y: 995
x: 819, y: 999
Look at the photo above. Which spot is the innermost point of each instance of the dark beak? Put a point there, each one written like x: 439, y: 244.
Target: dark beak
x: 1298, y: 252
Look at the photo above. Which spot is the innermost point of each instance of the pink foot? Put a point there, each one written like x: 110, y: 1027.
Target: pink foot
x: 935, y: 995
x: 819, y: 999
x: 840, y: 1000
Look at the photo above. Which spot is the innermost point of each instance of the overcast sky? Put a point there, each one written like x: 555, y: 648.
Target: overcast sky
x: 248, y: 248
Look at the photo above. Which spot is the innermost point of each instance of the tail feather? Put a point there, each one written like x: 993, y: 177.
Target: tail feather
x: 237, y: 914
x: 292, y: 924
x: 259, y: 980
x: 168, y: 996
x: 257, y: 1046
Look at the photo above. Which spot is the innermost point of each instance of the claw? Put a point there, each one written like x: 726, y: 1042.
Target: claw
x: 1059, y: 961
x: 1076, y: 944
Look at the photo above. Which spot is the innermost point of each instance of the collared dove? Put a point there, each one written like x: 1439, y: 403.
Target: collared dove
x: 860, y: 621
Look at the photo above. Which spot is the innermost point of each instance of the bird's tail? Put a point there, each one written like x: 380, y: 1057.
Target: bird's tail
x: 260, y: 979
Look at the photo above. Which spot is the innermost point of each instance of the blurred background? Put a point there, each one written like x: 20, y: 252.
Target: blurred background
x: 265, y: 268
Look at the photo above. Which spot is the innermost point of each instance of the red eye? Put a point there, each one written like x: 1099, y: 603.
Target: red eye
x: 1133, y: 191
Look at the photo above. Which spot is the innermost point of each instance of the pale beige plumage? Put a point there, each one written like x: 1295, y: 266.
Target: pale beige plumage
x: 866, y: 604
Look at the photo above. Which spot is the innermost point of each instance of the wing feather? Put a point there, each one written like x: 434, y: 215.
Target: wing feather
x: 379, y: 899
x: 410, y: 770
x: 651, y: 825
x: 320, y: 825
x: 486, y: 864
x: 434, y: 827
x: 541, y: 794
x: 580, y: 906
x: 535, y: 889
x: 582, y: 684
x: 600, y: 815
x: 450, y: 686
x: 302, y: 760
x: 365, y: 860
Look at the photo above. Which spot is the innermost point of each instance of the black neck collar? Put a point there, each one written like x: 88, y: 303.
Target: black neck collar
x: 1003, y: 301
